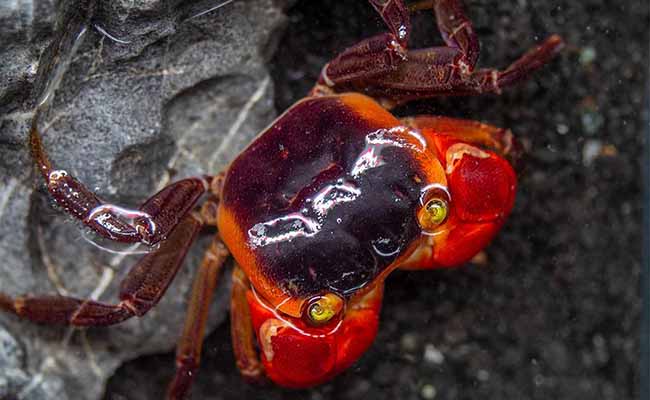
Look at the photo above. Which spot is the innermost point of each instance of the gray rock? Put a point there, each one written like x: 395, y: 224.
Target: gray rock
x: 155, y: 92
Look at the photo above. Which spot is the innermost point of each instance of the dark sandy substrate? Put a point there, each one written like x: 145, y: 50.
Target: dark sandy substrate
x: 553, y: 312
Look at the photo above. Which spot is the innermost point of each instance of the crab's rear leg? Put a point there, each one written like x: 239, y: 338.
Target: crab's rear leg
x: 457, y: 31
x: 141, y: 290
x: 435, y: 71
x: 373, y: 56
x: 241, y: 329
x: 381, y: 54
x: 149, y: 224
x: 396, y: 16
x: 188, y: 351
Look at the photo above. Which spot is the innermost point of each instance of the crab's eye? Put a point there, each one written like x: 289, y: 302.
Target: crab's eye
x: 433, y: 213
x: 322, y: 309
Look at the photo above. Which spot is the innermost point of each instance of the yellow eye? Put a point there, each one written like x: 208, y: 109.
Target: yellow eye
x: 433, y: 213
x: 322, y: 309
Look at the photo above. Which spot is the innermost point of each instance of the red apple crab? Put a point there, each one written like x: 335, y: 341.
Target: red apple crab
x: 319, y: 209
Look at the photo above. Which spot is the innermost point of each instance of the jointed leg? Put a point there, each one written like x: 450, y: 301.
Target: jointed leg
x: 241, y: 329
x: 149, y: 224
x: 534, y: 59
x: 370, y: 57
x: 140, y: 291
x: 439, y: 71
x: 424, y: 73
x: 457, y: 31
x: 499, y: 140
x: 188, y: 351
x: 396, y: 17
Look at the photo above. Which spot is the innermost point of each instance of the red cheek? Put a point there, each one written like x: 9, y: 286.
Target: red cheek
x: 296, y: 355
x: 356, y: 336
x: 292, y: 358
x: 483, y: 193
x: 463, y: 242
x: 300, y: 361
x: 482, y: 189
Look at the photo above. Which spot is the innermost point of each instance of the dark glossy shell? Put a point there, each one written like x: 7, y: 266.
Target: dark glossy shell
x: 325, y: 198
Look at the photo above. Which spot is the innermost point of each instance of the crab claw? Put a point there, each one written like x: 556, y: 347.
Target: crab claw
x: 298, y: 355
x: 481, y: 193
x: 482, y: 186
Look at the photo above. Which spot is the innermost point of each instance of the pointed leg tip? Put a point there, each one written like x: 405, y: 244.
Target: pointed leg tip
x: 554, y: 42
x: 6, y: 303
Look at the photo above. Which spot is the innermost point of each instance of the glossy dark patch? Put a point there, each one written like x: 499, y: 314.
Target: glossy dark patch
x: 326, y: 199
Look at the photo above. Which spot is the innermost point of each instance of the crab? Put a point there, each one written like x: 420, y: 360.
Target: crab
x: 319, y: 209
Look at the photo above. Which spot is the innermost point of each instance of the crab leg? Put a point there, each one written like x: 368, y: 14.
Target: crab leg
x: 150, y: 223
x: 370, y: 57
x: 496, y: 139
x: 241, y: 329
x: 457, y: 30
x: 429, y: 72
x: 396, y: 16
x: 188, y: 351
x: 432, y: 72
x: 139, y: 292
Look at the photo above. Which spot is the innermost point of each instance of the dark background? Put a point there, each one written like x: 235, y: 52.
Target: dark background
x: 553, y: 312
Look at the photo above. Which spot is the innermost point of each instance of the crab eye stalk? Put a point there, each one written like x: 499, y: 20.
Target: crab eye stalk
x: 433, y: 213
x: 322, y: 309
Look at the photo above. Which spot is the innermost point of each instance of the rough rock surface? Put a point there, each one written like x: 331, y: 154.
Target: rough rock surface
x: 156, y: 91
x: 553, y: 310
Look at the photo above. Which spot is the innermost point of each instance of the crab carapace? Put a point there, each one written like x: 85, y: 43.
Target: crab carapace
x: 331, y: 198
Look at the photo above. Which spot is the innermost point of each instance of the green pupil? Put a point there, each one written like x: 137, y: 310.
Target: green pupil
x: 316, y: 310
x: 323, y: 308
x: 437, y: 210
x: 320, y: 314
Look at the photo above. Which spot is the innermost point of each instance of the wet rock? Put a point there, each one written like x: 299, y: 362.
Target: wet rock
x: 154, y: 93
x: 12, y: 376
